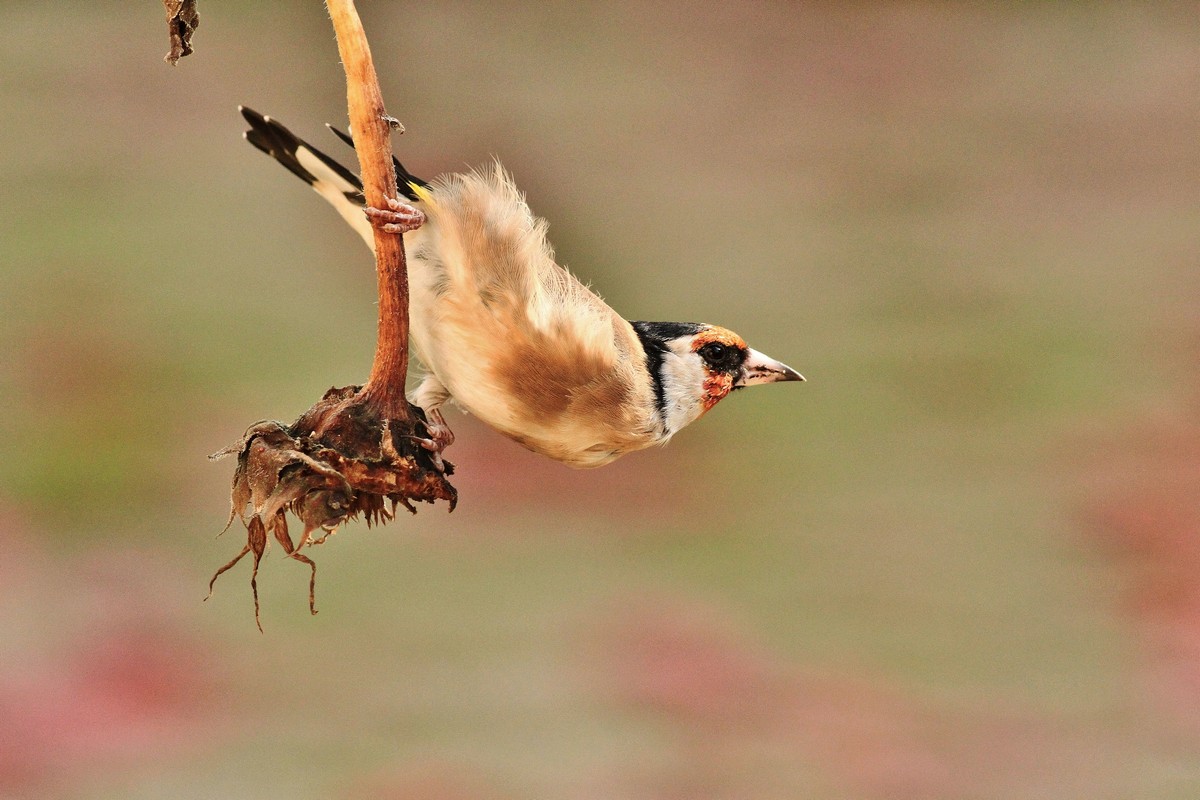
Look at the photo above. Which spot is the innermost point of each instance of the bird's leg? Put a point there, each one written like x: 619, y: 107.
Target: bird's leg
x: 398, y: 217
x: 430, y: 395
x: 440, y: 435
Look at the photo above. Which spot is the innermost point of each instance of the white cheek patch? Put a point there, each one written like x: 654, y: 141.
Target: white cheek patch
x: 683, y: 386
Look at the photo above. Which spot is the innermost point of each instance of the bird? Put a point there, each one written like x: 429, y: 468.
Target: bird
x: 513, y: 337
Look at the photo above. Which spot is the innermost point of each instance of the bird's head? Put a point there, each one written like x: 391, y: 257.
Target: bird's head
x: 693, y: 366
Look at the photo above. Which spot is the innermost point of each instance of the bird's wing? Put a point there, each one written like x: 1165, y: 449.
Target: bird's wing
x: 519, y: 340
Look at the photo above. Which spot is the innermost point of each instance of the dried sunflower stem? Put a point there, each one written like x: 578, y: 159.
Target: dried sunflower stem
x: 384, y: 389
x: 356, y: 451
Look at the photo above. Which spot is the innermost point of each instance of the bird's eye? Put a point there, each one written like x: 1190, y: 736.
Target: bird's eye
x: 720, y: 356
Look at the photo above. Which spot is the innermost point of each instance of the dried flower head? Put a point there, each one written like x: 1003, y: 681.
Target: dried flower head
x: 340, y: 460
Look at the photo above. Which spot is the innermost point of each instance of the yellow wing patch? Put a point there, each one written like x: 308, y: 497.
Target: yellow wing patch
x: 423, y: 194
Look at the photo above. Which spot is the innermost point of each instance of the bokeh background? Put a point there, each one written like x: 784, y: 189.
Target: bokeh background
x: 960, y: 562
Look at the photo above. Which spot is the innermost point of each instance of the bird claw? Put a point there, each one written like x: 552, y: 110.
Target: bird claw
x: 399, y: 217
x: 440, y: 437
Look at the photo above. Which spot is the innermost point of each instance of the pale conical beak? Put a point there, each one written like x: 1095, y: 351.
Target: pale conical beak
x: 762, y: 369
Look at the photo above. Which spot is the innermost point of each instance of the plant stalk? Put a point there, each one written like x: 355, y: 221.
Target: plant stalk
x: 371, y: 128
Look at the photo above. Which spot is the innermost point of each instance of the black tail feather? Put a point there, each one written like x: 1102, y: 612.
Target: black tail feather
x: 281, y: 144
x: 403, y: 176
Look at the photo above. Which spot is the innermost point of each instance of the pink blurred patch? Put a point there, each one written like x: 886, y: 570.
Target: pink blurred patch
x: 750, y: 724
x: 737, y: 705
x: 1145, y: 506
x: 89, y: 686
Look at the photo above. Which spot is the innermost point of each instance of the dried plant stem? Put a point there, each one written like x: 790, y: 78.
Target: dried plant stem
x: 371, y: 127
x: 357, y: 452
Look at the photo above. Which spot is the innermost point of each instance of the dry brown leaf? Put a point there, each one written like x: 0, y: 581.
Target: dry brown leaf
x: 182, y: 21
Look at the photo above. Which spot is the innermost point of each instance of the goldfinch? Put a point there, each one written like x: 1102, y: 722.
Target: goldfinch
x: 513, y: 337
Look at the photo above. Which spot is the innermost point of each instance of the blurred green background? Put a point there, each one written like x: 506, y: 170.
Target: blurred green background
x: 959, y: 562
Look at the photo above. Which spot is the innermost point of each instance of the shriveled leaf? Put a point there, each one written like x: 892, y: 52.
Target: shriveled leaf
x: 182, y: 21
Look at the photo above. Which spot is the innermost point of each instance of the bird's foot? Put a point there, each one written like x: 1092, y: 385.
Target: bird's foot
x: 440, y: 437
x: 398, y: 217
